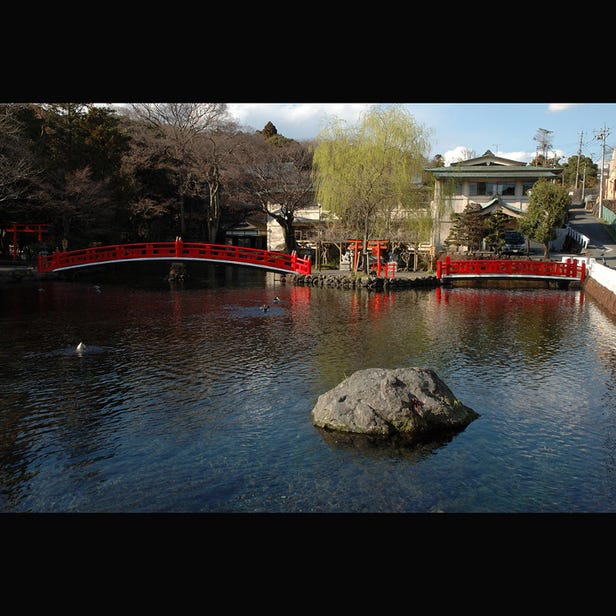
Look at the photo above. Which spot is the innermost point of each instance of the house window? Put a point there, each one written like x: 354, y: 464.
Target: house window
x: 477, y: 189
x: 507, y: 188
x: 491, y: 188
x: 526, y: 186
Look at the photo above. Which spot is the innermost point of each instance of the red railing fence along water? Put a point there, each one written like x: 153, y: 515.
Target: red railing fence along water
x: 569, y: 269
x: 180, y: 250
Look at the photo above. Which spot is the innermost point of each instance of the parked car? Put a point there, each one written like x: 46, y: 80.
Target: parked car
x: 514, y: 242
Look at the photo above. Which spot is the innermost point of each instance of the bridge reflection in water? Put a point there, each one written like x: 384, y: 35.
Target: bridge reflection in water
x: 175, y: 251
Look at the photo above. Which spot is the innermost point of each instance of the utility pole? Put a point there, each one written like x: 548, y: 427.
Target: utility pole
x: 577, y: 168
x: 603, y: 133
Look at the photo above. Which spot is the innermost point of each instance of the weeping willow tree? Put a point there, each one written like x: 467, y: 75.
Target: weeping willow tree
x: 407, y: 235
x: 362, y: 173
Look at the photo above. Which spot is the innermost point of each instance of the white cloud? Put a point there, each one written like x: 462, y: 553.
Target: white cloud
x: 523, y: 157
x: 458, y: 153
x: 293, y: 120
x: 556, y: 107
x: 527, y: 157
x: 461, y: 152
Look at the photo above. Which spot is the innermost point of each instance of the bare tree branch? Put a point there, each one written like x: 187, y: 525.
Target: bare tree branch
x: 183, y: 124
x: 16, y: 162
x: 279, y: 180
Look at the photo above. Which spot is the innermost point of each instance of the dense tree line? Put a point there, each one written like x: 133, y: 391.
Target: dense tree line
x: 150, y: 172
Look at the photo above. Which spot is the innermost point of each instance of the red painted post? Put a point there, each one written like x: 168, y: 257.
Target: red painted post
x: 439, y: 273
x: 14, y: 254
x: 583, y: 272
x: 355, y: 255
x: 447, y: 265
x: 294, y: 261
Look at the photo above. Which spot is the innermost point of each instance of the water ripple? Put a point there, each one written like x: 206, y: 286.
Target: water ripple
x: 197, y: 400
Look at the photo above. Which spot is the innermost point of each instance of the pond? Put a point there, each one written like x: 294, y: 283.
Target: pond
x: 191, y: 398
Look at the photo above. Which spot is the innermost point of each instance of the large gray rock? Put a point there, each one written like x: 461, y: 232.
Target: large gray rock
x: 412, y: 402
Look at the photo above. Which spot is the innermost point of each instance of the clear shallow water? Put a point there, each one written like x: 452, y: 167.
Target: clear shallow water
x: 192, y: 399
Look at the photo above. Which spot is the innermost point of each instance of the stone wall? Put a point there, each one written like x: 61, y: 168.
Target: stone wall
x: 11, y: 273
x: 600, y: 284
x: 601, y: 295
x: 350, y: 281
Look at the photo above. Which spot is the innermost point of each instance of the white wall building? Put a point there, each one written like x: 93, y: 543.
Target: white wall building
x: 306, y: 222
x: 493, y: 182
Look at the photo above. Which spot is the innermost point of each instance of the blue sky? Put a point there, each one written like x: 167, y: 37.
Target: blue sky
x: 505, y: 128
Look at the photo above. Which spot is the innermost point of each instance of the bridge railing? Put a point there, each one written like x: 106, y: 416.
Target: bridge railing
x: 570, y: 268
x: 175, y: 250
x: 581, y: 239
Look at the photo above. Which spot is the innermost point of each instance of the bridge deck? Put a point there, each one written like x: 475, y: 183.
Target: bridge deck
x: 175, y: 251
x: 569, y: 270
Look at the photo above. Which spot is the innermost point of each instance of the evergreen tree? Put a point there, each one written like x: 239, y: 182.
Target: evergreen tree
x: 547, y: 210
x: 495, y: 227
x: 586, y: 171
x: 469, y: 228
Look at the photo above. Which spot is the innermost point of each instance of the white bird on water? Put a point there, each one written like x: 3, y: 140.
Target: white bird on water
x: 81, y: 347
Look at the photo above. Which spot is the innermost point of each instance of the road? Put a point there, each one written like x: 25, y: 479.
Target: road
x: 601, y: 242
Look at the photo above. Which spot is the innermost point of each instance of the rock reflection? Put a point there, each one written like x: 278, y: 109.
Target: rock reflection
x: 411, y: 449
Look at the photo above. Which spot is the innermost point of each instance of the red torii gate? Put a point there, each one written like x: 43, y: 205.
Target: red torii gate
x: 374, y: 246
x: 24, y: 227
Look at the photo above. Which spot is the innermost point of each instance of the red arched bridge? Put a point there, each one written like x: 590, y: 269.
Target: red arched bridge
x: 568, y: 270
x: 175, y: 251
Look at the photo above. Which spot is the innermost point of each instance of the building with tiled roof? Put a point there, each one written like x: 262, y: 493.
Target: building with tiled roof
x: 493, y: 182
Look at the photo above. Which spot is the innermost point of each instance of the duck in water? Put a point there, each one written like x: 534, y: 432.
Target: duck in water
x: 81, y: 347
x: 265, y: 307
